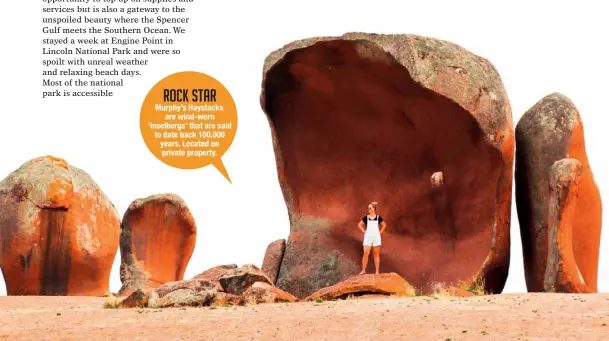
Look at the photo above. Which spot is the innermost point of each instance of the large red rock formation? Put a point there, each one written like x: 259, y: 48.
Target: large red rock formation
x: 385, y: 284
x: 158, y: 236
x: 59, y: 233
x: 272, y: 259
x: 367, y: 117
x: 559, y: 205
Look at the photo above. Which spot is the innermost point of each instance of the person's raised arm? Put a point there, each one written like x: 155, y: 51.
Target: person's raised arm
x: 437, y: 179
x: 361, y: 226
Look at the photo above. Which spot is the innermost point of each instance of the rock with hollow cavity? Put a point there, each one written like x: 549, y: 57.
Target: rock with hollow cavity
x: 368, y: 117
x: 59, y: 233
x: 385, y: 284
x: 367, y: 297
x: 158, y: 236
x: 559, y: 204
x: 272, y: 259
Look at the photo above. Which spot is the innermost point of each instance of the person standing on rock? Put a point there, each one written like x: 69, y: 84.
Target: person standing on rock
x: 372, y: 225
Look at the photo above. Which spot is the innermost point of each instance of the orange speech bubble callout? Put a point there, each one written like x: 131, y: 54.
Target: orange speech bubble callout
x: 189, y: 120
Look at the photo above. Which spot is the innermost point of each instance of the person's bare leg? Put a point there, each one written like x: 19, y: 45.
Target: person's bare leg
x: 376, y: 253
x: 365, y: 259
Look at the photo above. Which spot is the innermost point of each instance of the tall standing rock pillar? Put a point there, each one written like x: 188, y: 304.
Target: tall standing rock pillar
x: 158, y: 236
x: 558, y: 202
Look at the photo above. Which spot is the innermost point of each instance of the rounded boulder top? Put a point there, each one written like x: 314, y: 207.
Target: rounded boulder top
x: 59, y: 231
x: 158, y: 236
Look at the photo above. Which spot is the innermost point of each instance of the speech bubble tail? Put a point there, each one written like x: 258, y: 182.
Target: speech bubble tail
x: 220, y: 167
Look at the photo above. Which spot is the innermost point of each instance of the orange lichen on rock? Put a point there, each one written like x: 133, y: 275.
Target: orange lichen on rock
x: 59, y: 233
x: 559, y: 205
x: 369, y: 117
x: 158, y: 236
x: 562, y: 272
x: 385, y: 283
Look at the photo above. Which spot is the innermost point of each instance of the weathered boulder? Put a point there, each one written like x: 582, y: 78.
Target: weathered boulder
x: 262, y: 292
x: 237, y: 281
x: 272, y: 259
x: 137, y: 299
x: 158, y: 236
x: 558, y: 202
x: 59, y: 233
x: 192, y: 292
x: 196, y: 285
x: 214, y: 274
x: 226, y: 299
x: 385, y: 283
x: 428, y: 121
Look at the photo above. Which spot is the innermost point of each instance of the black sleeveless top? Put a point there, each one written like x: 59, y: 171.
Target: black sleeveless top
x: 378, y: 217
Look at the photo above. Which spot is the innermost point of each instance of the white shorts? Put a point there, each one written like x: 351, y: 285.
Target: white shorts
x: 372, y: 239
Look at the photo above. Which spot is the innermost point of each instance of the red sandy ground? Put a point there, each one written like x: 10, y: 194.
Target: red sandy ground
x: 492, y: 318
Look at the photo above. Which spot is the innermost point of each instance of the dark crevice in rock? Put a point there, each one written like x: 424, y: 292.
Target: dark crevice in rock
x: 56, y: 259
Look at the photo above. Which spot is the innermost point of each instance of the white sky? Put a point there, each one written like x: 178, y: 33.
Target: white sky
x: 538, y: 48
